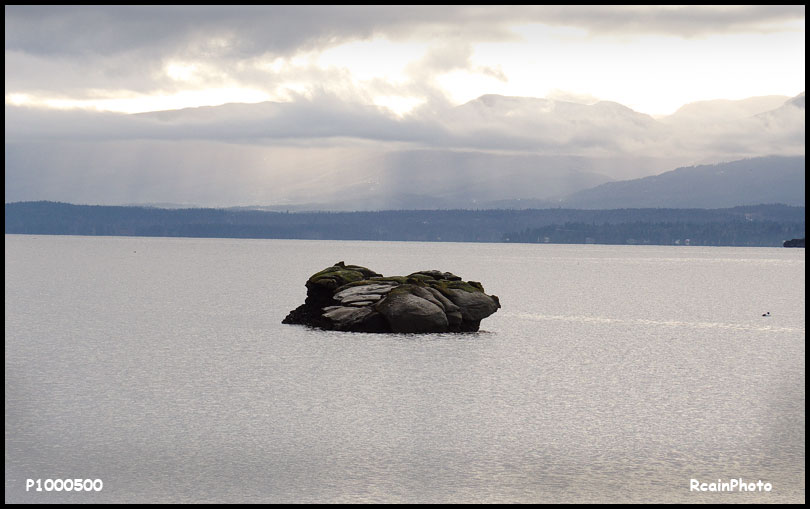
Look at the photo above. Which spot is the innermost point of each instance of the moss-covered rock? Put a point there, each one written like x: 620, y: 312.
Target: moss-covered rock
x: 355, y: 298
x: 437, y: 275
x: 340, y: 274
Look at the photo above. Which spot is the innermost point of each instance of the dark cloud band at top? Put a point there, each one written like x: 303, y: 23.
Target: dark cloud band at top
x: 282, y: 29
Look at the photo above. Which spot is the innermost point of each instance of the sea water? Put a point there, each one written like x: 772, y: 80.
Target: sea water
x: 158, y: 369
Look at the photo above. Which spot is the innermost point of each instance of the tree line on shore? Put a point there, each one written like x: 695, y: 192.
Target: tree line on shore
x: 759, y: 225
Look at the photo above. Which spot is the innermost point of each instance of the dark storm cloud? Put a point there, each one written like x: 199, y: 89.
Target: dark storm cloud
x: 70, y: 50
x: 677, y: 20
x: 249, y: 30
x: 126, y: 47
x: 279, y: 28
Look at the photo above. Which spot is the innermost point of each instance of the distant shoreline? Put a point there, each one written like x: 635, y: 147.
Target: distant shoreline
x: 794, y: 243
x: 756, y: 225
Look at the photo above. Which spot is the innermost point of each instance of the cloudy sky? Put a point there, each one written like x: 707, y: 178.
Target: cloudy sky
x: 328, y: 87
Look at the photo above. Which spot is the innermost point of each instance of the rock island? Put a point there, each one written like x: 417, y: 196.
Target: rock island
x: 353, y: 298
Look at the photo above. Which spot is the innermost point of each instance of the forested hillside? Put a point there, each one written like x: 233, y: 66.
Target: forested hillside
x: 761, y: 225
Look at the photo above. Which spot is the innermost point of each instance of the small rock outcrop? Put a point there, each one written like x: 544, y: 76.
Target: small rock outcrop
x: 794, y: 243
x: 353, y: 298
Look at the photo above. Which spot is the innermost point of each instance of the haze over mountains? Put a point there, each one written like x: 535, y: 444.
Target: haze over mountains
x: 774, y: 179
x: 495, y: 151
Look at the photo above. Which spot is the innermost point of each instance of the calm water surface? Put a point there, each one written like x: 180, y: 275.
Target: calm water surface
x: 611, y: 374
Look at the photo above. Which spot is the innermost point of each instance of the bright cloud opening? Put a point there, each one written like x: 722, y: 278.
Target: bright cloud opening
x: 399, y: 105
x: 145, y: 103
x: 181, y: 72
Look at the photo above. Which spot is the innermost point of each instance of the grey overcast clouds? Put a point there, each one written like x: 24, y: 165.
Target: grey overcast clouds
x: 266, y: 105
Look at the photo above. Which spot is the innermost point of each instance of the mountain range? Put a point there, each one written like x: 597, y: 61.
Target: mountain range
x: 760, y: 180
x: 428, y: 179
x: 494, y: 151
x: 774, y: 179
